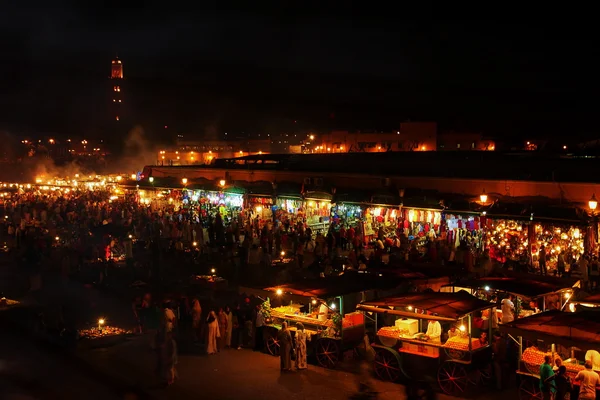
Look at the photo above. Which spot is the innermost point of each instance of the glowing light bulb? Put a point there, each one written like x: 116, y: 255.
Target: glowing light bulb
x: 279, y: 292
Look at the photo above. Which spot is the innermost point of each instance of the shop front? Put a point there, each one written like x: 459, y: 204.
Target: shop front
x: 209, y: 203
x: 316, y: 211
x: 525, y: 241
x: 260, y: 207
x: 381, y: 216
x: 420, y: 227
x: 288, y: 210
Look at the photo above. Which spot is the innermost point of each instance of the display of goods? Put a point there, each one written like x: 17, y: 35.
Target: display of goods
x: 533, y: 356
x: 305, y: 319
x: 4, y: 302
x: 573, y: 369
x: 286, y: 310
x: 457, y: 343
x: 393, y: 332
x: 96, y: 333
x: 207, y: 278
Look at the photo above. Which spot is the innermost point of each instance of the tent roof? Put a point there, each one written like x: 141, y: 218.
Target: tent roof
x: 571, y: 328
x: 346, y: 284
x: 449, y: 305
x: 530, y: 286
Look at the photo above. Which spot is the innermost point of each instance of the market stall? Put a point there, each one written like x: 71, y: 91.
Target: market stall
x: 101, y: 335
x: 324, y: 306
x: 316, y: 210
x: 412, y: 340
x: 572, y: 337
x: 522, y: 241
x: 419, y: 226
x: 532, y: 293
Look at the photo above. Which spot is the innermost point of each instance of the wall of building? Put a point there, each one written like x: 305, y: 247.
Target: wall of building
x: 412, y: 136
x: 572, y: 192
x: 203, y: 152
x: 457, y: 141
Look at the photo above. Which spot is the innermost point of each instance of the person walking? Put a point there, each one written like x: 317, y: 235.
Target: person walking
x: 547, y: 386
x: 285, y: 349
x: 589, y: 381
x: 213, y: 333
x: 229, y: 329
x: 542, y: 260
x: 169, y: 359
x: 563, y: 384
x: 196, y: 316
x: 300, y: 346
x: 259, y: 326
x: 222, y: 317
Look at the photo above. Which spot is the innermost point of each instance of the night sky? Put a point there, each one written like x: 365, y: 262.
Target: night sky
x: 213, y: 71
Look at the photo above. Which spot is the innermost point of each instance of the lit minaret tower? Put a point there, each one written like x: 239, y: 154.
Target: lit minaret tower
x: 116, y: 78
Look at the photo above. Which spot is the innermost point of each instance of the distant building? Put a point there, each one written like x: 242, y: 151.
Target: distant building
x: 412, y: 136
x: 117, y: 91
x: 463, y: 141
x: 191, y: 152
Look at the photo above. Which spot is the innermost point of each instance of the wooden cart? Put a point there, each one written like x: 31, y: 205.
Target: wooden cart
x: 400, y: 352
x: 572, y: 337
x: 342, y: 331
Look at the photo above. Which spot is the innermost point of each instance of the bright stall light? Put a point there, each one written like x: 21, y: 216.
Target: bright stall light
x: 483, y: 197
x: 279, y: 292
x: 593, y: 203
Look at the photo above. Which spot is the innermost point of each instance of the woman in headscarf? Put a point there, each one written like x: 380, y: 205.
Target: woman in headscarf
x: 285, y: 349
x: 222, y: 317
x: 213, y: 333
x: 196, y: 316
x: 300, y: 346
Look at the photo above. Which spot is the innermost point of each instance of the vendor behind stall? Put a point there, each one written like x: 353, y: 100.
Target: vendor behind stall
x: 434, y: 331
x: 508, y: 310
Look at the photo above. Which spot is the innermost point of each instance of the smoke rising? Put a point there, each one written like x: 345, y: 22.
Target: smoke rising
x: 138, y: 151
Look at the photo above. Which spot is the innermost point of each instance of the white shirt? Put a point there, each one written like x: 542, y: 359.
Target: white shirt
x: 434, y: 330
x: 169, y: 320
x: 323, y: 313
x: 589, y: 380
x: 508, y: 310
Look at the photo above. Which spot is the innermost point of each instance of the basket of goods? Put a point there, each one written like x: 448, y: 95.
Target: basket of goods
x: 573, y: 369
x: 533, y: 358
x: 97, y: 333
x: 4, y: 302
x: 389, y: 335
x: 102, y: 337
x: 456, y: 347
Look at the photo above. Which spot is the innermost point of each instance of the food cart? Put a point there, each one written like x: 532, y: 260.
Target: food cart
x: 321, y: 305
x: 572, y: 337
x: 533, y: 293
x: 402, y: 349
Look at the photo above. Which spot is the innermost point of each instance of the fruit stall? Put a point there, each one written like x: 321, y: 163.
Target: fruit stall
x: 571, y: 337
x: 321, y: 305
x: 531, y: 292
x: 403, y: 349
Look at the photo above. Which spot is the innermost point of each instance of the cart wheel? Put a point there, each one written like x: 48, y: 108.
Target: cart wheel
x: 484, y: 374
x: 453, y: 378
x: 328, y: 353
x: 530, y: 390
x: 271, y: 342
x: 387, y: 365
